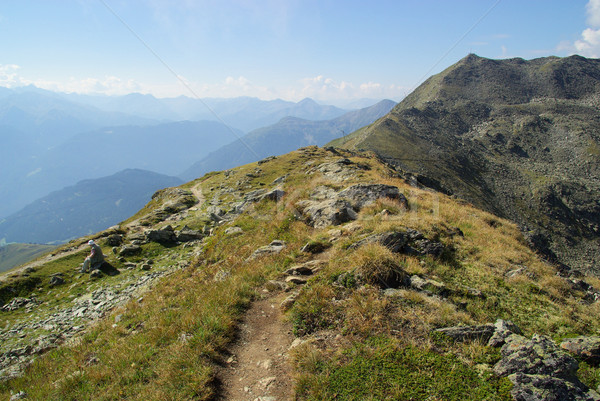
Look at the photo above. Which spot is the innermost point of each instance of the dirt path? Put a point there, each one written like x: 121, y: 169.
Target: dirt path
x: 197, y: 191
x: 257, y: 369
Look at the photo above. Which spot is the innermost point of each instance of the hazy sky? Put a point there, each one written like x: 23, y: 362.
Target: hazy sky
x: 290, y: 49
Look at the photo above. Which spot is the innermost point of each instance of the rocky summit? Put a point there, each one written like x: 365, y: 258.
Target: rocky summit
x: 316, y: 275
x: 520, y: 139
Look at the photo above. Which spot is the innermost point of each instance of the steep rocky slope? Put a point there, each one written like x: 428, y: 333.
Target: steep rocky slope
x: 390, y: 292
x: 518, y: 138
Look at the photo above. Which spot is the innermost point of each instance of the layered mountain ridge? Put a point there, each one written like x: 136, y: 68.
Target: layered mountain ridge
x: 517, y: 138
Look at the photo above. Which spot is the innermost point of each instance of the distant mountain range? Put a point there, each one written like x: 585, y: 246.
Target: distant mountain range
x: 288, y: 134
x: 518, y: 138
x: 51, y: 140
x: 242, y: 113
x: 85, y: 208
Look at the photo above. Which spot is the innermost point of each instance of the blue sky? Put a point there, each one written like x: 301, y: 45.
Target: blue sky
x: 325, y: 49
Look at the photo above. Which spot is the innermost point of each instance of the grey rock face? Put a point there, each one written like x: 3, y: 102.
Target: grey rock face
x: 328, y: 212
x: 275, y: 246
x: 130, y: 250
x: 186, y: 235
x: 410, y: 242
x: 165, y: 235
x: 587, y: 348
x: 114, y: 240
x: 364, y: 194
x: 548, y: 388
x: 56, y: 279
x: 538, y: 356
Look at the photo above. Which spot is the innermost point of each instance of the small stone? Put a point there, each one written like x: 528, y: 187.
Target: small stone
x: 295, y: 280
x: 266, y: 382
x: 21, y: 395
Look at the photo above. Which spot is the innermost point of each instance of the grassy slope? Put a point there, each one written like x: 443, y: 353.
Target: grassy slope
x: 12, y: 255
x: 166, y: 346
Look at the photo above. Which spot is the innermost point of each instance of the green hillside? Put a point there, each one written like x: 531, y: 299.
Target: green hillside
x: 12, y: 255
x: 362, y: 268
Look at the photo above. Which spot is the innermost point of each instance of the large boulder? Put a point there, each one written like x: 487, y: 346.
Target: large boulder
x: 548, y: 388
x: 186, y: 234
x: 325, y: 213
x: 538, y: 356
x: 541, y: 371
x: 364, y: 194
x: 165, y: 236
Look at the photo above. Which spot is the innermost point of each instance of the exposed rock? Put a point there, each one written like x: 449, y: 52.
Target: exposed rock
x: 275, y: 285
x: 114, y: 240
x: 130, y: 250
x: 186, y: 234
x: 233, y: 230
x: 287, y: 303
x: 427, y: 247
x: 56, y: 279
x: 17, y: 303
x: 164, y: 236
x: 96, y: 273
x: 274, y: 195
x: 428, y: 285
x: 503, y: 329
x: 538, y: 356
x: 468, y: 333
x: 254, y: 196
x: 364, y: 194
x: 295, y: 280
x: 275, y: 246
x: 547, y: 388
x: 305, y: 269
x: 280, y: 180
x: 266, y: 159
x: 586, y: 348
x: 327, y: 213
x: 21, y: 395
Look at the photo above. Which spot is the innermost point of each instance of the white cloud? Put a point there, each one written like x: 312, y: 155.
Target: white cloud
x: 593, y: 11
x: 589, y: 44
x: 9, y: 76
x: 325, y: 89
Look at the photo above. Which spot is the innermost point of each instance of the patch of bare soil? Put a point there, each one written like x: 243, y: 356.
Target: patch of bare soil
x: 257, y: 369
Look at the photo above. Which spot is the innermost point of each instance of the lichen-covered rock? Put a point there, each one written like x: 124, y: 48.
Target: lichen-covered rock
x: 538, y: 356
x: 428, y: 285
x: 165, y: 235
x: 130, y: 250
x: 587, y: 348
x: 274, y: 195
x: 186, y: 234
x: 503, y: 329
x: 275, y: 246
x: 327, y: 213
x: 364, y: 194
x: 548, y: 388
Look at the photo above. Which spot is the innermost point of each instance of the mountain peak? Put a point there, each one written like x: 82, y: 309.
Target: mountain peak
x: 489, y: 130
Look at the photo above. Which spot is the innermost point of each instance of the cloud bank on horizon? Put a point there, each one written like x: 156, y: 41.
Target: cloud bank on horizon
x: 279, y: 48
